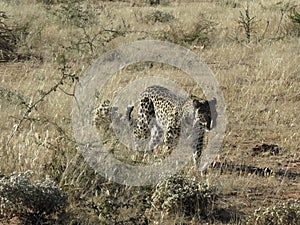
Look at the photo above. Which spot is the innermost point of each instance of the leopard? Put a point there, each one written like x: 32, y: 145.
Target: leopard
x: 161, y: 114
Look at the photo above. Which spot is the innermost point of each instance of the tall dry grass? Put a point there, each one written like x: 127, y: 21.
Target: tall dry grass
x: 260, y: 82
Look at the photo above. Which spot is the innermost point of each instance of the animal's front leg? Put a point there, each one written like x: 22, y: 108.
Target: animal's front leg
x: 171, y: 137
x: 145, y: 115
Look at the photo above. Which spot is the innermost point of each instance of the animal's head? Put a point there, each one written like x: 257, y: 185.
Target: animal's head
x: 202, y: 111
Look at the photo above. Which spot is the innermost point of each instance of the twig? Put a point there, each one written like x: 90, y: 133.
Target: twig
x: 34, y: 105
x: 265, y: 31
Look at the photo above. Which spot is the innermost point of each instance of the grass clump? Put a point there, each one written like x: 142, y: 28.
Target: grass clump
x: 29, y: 201
x: 8, y: 40
x: 19, y: 37
x: 178, y: 194
x: 117, y: 205
x: 280, y: 213
x: 72, y: 12
x: 48, y: 2
x: 158, y: 16
x: 295, y: 18
x: 12, y: 97
x: 199, y: 33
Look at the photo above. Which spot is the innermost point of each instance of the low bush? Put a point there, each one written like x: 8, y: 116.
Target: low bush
x: 8, y: 40
x: 158, y: 16
x: 295, y: 15
x: 200, y: 33
x: 29, y: 201
x: 12, y: 97
x: 179, y: 194
x: 295, y: 18
x: 280, y: 213
x: 72, y: 12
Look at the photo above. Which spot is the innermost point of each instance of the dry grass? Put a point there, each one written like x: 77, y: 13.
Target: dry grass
x: 260, y: 81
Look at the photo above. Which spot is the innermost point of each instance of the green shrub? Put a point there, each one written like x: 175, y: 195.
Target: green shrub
x: 281, y: 213
x: 295, y: 16
x: 179, y: 194
x: 29, y: 201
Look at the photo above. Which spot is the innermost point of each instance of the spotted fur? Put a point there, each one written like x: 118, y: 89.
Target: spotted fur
x: 161, y: 112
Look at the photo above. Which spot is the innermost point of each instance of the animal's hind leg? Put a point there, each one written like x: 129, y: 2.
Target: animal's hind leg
x: 145, y: 115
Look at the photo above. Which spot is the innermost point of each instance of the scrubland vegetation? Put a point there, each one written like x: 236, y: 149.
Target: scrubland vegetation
x: 253, y: 48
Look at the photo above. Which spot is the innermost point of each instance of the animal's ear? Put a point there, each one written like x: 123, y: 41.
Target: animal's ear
x: 213, y: 102
x: 196, y: 103
x: 200, y: 103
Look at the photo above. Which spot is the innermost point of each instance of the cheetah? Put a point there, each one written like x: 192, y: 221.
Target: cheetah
x: 161, y: 113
